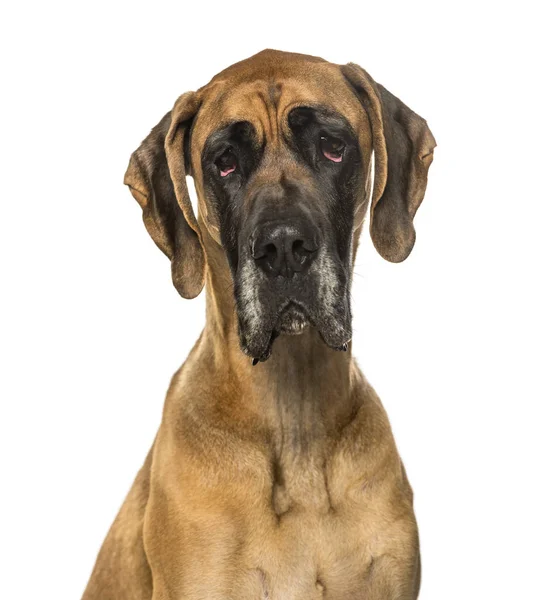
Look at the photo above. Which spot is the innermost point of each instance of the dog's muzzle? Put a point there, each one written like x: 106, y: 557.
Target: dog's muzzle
x: 289, y: 277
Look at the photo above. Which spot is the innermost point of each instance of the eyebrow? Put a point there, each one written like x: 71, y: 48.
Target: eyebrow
x: 223, y: 134
x: 328, y: 113
x: 329, y: 117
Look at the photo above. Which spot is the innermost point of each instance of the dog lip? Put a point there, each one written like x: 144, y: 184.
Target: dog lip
x: 337, y: 340
x: 290, y: 308
x: 259, y: 347
x: 290, y: 319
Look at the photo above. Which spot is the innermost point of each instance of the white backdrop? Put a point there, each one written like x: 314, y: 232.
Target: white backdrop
x: 458, y: 340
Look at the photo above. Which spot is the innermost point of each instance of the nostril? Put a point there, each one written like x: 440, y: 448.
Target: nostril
x: 260, y: 251
x: 299, y: 251
x: 302, y: 249
x: 266, y: 253
x: 298, y: 245
x: 271, y: 253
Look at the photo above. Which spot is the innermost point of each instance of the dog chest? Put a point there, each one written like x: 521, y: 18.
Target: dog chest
x: 253, y: 547
x: 307, y: 555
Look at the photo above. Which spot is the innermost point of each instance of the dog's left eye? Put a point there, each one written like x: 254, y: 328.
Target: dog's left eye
x: 227, y: 163
x: 332, y: 148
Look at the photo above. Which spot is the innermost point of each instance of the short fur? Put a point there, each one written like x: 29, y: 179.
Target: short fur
x: 280, y: 481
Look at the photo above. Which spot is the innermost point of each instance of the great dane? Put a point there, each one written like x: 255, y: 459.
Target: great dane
x: 274, y: 474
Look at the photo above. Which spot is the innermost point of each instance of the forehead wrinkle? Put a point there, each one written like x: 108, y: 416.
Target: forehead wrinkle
x: 266, y: 99
x: 244, y: 102
x: 267, y: 115
x: 274, y: 92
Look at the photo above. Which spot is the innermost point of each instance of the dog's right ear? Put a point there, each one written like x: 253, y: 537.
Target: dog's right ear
x: 167, y: 211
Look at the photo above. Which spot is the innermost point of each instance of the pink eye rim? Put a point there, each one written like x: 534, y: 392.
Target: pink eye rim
x: 332, y: 148
x: 226, y: 163
x: 227, y: 171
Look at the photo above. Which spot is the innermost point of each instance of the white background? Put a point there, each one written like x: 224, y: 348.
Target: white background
x: 458, y: 340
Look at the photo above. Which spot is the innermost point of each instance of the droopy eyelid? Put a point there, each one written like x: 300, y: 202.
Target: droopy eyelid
x: 233, y: 134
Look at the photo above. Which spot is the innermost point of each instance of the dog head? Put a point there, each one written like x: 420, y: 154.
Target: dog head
x: 280, y: 147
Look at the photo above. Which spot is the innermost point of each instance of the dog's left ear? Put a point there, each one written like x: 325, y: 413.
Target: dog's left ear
x: 403, y: 150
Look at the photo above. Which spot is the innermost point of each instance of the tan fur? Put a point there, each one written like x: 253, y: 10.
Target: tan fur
x: 280, y: 481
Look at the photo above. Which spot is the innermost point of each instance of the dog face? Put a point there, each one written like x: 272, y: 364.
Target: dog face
x: 279, y: 147
x: 282, y: 169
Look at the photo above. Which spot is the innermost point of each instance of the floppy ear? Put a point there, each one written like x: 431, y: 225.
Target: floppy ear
x: 156, y: 177
x: 403, y: 151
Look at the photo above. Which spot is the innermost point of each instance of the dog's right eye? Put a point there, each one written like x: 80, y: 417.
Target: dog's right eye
x: 226, y: 163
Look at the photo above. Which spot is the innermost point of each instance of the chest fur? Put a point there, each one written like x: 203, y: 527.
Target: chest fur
x: 316, y: 525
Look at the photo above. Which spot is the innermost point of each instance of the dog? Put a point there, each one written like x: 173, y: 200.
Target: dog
x: 274, y: 473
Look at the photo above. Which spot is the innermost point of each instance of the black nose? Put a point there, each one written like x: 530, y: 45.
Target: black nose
x: 284, y: 248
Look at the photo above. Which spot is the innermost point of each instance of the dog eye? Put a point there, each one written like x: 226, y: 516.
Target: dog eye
x: 226, y: 163
x: 332, y: 148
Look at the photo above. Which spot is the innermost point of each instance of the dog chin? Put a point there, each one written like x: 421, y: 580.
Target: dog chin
x: 292, y: 320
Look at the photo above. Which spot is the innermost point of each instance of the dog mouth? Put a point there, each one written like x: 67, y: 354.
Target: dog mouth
x: 270, y: 307
x: 293, y: 318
